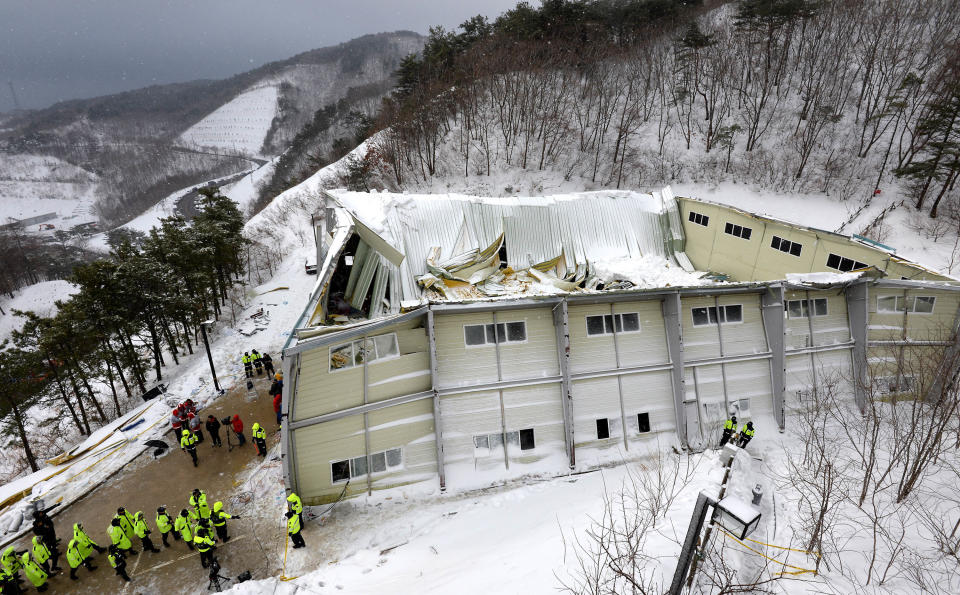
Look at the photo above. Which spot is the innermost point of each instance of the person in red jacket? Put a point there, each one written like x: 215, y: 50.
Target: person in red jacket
x: 237, y: 425
x: 277, y: 402
x: 175, y: 422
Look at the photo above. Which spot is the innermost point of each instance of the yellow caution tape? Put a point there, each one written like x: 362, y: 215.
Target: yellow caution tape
x: 780, y: 547
x: 759, y: 553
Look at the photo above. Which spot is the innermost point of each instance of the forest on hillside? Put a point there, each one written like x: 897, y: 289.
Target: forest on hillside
x: 843, y: 98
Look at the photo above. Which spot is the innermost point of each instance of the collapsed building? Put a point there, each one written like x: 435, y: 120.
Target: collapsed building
x: 457, y: 340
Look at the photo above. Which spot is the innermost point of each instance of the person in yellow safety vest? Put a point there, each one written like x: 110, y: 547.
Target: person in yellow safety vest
x: 257, y: 363
x: 8, y: 583
x: 142, y: 531
x: 203, y: 528
x: 119, y: 562
x: 33, y: 571
x: 729, y: 427
x: 188, y: 444
x: 41, y: 553
x: 198, y: 500
x: 260, y: 439
x: 126, y: 522
x: 76, y: 557
x: 182, y: 526
x: 219, y: 518
x: 205, y: 546
x: 10, y: 561
x: 293, y: 529
x: 119, y: 538
x: 746, y: 434
x: 165, y: 526
x: 84, y: 542
x: 294, y: 504
x: 247, y: 364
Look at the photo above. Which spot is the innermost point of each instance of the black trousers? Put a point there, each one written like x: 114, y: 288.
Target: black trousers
x: 259, y: 368
x: 297, y: 539
x: 206, y: 558
x: 261, y: 446
x: 193, y: 455
x: 248, y: 369
x: 163, y: 538
x: 122, y: 571
x: 148, y: 544
x: 268, y: 366
x: 215, y: 438
x: 222, y: 532
x: 726, y: 437
x: 744, y: 442
x: 199, y: 433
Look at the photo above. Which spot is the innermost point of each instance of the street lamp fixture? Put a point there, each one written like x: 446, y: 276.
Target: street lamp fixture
x: 206, y: 344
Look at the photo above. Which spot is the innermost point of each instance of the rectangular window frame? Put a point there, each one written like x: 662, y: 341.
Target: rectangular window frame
x: 643, y: 419
x: 738, y: 231
x: 714, y: 316
x: 505, y: 333
x: 528, y: 436
x: 843, y: 264
x: 786, y: 246
x: 698, y: 218
x: 799, y: 309
x: 607, y: 322
x: 908, y: 305
x: 387, y: 341
x: 603, y: 429
x: 362, y: 466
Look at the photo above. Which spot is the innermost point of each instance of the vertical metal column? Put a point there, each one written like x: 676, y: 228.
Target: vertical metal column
x: 856, y: 295
x: 672, y: 328
x: 616, y: 354
x: 771, y: 310
x: 366, y: 420
x: 813, y: 356
x: 287, y: 456
x: 690, y: 541
x: 561, y: 323
x: 723, y: 369
x: 503, y: 415
x: 437, y: 419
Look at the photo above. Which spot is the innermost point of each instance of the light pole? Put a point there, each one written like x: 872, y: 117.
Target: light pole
x: 203, y: 331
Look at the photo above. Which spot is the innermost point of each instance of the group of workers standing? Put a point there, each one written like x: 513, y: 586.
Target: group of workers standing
x: 261, y: 361
x: 741, y: 439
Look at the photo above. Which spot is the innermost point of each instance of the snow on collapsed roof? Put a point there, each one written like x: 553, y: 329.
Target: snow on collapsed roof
x: 450, y: 242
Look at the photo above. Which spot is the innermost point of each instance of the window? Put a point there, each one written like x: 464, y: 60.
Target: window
x: 800, y: 308
x: 643, y: 422
x: 340, y: 471
x: 603, y: 429
x: 699, y: 219
x: 357, y: 466
x: 921, y: 304
x: 726, y: 314
x: 489, y: 334
x: 787, y: 246
x: 844, y: 264
x: 738, y: 230
x: 604, y: 324
x: 371, y: 349
x: 526, y: 439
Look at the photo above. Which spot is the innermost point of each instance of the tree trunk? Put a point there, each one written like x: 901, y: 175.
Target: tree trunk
x: 63, y: 394
x: 76, y: 392
x: 22, y: 433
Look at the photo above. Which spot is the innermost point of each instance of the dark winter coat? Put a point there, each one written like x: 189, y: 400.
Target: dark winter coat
x: 276, y: 388
x: 213, y: 426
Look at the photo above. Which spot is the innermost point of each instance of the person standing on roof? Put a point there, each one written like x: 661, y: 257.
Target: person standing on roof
x: 267, y: 364
x: 219, y: 519
x: 142, y: 531
x: 728, y: 428
x: 247, y: 364
x: 165, y: 526
x: 260, y: 439
x: 188, y: 444
x: 258, y: 364
x: 213, y: 428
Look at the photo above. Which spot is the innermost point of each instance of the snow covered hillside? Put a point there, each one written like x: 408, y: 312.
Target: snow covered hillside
x: 38, y: 298
x: 33, y: 185
x: 240, y: 125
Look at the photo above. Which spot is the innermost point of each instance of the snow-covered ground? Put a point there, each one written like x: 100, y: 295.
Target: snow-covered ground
x: 38, y: 298
x: 244, y: 191
x: 32, y: 185
x: 238, y: 125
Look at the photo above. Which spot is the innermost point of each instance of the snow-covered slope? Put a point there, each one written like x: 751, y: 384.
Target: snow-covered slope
x: 38, y: 298
x: 32, y: 185
x: 239, y: 125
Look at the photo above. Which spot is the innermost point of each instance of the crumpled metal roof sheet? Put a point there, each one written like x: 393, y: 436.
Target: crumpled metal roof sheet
x: 581, y: 227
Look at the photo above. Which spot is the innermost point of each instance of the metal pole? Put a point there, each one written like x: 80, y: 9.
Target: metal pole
x: 206, y: 344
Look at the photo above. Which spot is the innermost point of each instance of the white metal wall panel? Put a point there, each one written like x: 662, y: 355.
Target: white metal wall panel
x: 593, y: 399
x: 835, y: 326
x: 652, y: 393
x: 589, y: 353
x: 537, y: 356
x: 649, y: 346
x: 410, y: 428
x: 750, y: 380
x: 747, y: 337
x: 321, y: 391
x: 536, y: 407
x: 465, y: 416
x: 699, y: 342
x: 316, y: 447
x: 457, y: 364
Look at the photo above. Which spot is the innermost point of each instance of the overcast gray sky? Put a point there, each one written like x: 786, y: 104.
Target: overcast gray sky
x: 64, y: 49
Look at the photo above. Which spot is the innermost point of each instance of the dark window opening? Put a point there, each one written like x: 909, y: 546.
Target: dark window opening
x: 340, y: 470
x: 526, y: 439
x: 643, y: 422
x: 603, y: 429
x: 502, y: 253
